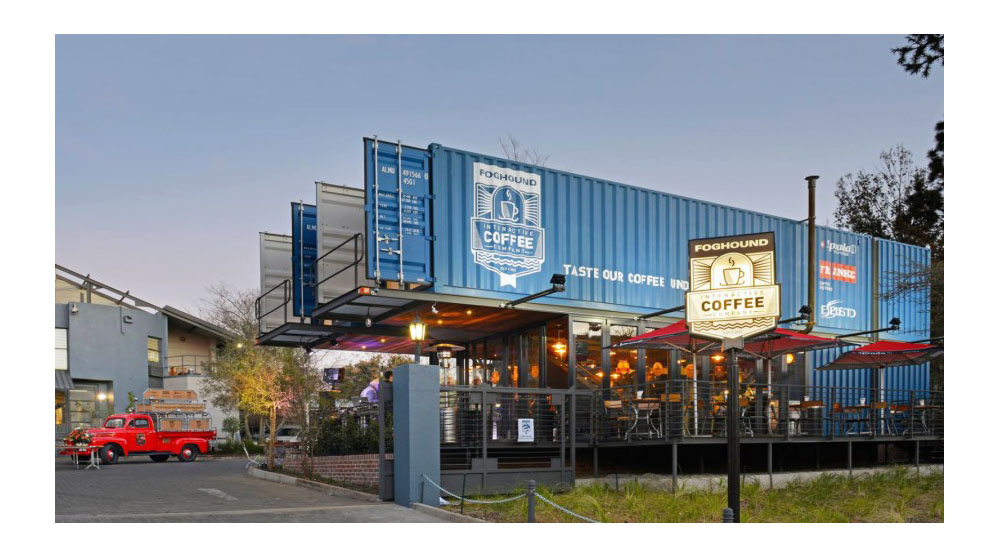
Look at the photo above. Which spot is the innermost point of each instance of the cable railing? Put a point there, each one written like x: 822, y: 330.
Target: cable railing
x: 684, y: 408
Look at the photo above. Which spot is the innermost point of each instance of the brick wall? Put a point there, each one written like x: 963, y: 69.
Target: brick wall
x: 359, y: 469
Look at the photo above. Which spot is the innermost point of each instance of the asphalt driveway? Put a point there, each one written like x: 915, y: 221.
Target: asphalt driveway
x: 138, y: 490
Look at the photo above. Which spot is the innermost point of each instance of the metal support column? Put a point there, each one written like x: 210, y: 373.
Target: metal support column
x: 850, y: 459
x: 673, y: 468
x: 770, y: 468
x: 733, y: 346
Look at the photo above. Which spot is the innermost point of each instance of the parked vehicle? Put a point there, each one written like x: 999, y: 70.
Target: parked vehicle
x: 158, y: 436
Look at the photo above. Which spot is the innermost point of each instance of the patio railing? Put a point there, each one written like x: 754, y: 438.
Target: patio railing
x: 685, y: 408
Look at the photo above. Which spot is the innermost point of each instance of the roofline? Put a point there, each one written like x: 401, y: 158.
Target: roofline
x: 215, y: 330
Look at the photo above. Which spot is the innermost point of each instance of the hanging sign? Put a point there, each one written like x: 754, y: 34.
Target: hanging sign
x: 525, y: 430
x: 732, y: 286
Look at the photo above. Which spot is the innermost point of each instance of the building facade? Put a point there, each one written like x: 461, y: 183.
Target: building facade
x: 109, y: 343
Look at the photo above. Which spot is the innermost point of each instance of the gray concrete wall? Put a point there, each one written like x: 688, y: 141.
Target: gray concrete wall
x: 103, y: 347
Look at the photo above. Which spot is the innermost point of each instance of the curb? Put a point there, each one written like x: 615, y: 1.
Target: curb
x: 445, y: 515
x: 316, y: 486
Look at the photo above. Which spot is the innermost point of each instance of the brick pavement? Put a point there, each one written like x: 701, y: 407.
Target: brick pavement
x: 137, y: 490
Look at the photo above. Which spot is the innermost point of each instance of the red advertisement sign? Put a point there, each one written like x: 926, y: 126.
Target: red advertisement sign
x: 838, y: 271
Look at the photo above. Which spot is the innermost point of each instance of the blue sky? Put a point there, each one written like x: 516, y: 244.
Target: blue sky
x: 172, y: 152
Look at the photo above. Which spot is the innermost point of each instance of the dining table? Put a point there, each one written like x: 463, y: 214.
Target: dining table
x: 76, y: 451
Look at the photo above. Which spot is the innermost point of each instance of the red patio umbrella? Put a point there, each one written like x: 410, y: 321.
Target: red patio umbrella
x: 886, y: 353
x: 882, y: 354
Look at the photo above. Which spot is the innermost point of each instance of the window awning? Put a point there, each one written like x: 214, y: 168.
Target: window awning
x: 63, y: 381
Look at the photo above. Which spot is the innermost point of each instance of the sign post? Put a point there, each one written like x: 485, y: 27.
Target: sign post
x: 733, y: 295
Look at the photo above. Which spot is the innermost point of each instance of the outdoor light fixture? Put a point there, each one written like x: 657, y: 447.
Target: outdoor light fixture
x: 418, y: 330
x: 894, y: 324
x: 558, y: 285
x: 789, y: 358
x: 804, y: 313
x: 102, y: 396
x: 239, y: 345
x: 559, y: 348
x: 718, y: 357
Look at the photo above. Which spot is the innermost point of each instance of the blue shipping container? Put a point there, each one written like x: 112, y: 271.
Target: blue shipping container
x: 503, y: 228
x: 397, y: 211
x: 304, y: 247
x: 843, y: 281
x: 899, y: 265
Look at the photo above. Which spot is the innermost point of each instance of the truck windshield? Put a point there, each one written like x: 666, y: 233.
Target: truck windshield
x: 114, y: 423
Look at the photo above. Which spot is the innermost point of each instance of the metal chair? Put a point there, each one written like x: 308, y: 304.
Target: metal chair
x: 254, y: 460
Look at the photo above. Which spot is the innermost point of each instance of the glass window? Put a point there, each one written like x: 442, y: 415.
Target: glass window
x: 532, y: 357
x: 140, y: 423
x: 62, y: 350
x: 475, y: 364
x: 114, y: 423
x: 494, y: 361
x: 513, y: 378
x: 153, y: 350
x: 658, y: 365
x: 60, y: 407
x: 556, y: 354
x: 624, y: 362
x: 587, y: 337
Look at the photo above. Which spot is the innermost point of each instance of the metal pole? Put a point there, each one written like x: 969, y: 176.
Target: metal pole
x: 595, y: 461
x: 916, y: 456
x: 531, y: 500
x: 732, y: 346
x: 811, y: 181
x: 461, y: 509
x: 770, y: 468
x: 673, y: 468
x: 850, y: 460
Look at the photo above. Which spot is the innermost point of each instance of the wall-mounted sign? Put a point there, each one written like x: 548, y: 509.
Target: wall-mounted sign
x: 507, y: 233
x: 525, y: 430
x: 733, y: 292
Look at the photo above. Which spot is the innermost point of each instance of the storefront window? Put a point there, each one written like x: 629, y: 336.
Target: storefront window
x: 556, y: 354
x: 494, y: 362
x: 587, y: 338
x: 512, y: 378
x: 532, y: 358
x: 658, y: 365
x: 60, y: 408
x: 624, y: 362
x: 476, y: 364
x: 90, y: 403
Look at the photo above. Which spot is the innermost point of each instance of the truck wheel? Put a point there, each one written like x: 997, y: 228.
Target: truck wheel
x: 109, y: 454
x: 188, y: 453
x: 159, y: 457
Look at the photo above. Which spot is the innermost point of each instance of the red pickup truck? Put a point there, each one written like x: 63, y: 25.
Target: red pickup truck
x: 147, y: 434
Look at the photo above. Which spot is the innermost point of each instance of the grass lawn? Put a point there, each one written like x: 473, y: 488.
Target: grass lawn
x: 896, y: 495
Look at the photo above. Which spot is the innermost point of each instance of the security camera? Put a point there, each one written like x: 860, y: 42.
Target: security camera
x: 434, y: 309
x: 368, y: 321
x: 73, y: 308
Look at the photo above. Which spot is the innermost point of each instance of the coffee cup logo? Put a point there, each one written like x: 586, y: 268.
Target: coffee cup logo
x: 732, y: 276
x: 508, y: 210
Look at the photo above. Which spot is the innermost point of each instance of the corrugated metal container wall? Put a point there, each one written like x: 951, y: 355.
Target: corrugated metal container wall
x: 843, y: 281
x: 275, y: 268
x: 851, y: 384
x: 340, y: 216
x: 898, y: 262
x: 621, y: 247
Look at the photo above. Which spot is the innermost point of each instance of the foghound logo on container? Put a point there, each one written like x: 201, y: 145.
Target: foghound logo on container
x: 507, y: 233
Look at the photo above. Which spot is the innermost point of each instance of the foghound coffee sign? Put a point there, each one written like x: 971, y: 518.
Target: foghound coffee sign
x: 733, y: 292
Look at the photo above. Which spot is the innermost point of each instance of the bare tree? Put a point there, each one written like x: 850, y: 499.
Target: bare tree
x: 232, y: 309
x: 513, y: 150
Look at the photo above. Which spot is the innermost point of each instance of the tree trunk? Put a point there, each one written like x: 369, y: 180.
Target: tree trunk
x: 260, y: 429
x: 246, y: 427
x: 271, y: 438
